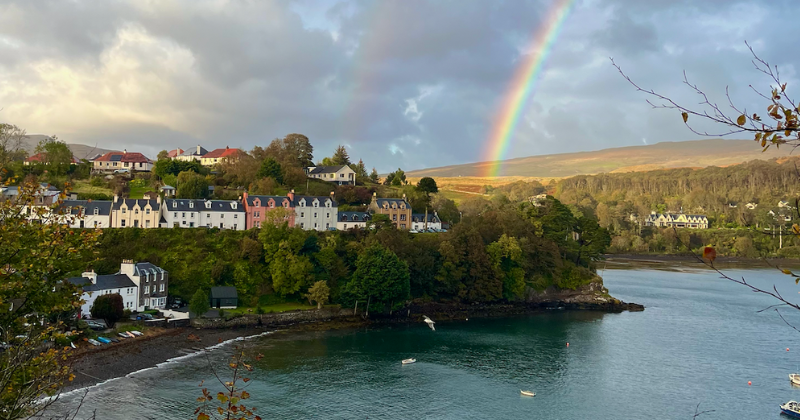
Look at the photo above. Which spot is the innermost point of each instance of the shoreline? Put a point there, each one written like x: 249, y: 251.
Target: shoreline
x: 688, y: 260
x: 96, y: 365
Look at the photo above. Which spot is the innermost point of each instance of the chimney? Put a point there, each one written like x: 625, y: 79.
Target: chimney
x: 127, y: 268
x: 198, y: 149
x: 91, y: 275
x: 116, y: 198
x: 332, y: 193
x: 291, y: 196
x: 158, y: 199
x: 404, y: 196
x: 124, y: 151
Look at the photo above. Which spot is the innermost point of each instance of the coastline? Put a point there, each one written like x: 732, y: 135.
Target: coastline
x: 656, y: 260
x: 96, y: 365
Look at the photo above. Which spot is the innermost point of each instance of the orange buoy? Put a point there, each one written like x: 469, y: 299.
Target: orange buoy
x: 749, y: 383
x: 567, y: 344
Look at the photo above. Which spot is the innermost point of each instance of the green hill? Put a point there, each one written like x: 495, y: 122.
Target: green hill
x: 693, y: 154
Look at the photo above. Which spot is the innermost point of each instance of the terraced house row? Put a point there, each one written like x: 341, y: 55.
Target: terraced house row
x: 252, y: 211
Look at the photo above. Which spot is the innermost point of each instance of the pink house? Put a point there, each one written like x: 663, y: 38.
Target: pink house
x: 257, y: 208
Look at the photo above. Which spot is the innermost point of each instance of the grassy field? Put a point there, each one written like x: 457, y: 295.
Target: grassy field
x: 277, y: 307
x: 84, y: 187
x: 457, y: 196
x: 138, y: 192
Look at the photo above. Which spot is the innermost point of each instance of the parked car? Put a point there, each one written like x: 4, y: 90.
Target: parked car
x: 96, y: 325
x: 141, y: 317
x: 122, y: 171
x: 413, y: 231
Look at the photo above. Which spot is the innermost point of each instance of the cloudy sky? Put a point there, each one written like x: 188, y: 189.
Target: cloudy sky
x: 409, y: 83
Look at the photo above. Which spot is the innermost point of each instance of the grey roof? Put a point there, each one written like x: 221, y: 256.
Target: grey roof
x: 10, y: 190
x: 220, y: 205
x: 194, y: 151
x: 310, y: 200
x: 390, y: 201
x: 154, y: 204
x: 167, y: 187
x: 265, y: 198
x: 224, y: 292
x: 143, y: 268
x: 354, y: 216
x: 420, y: 217
x: 326, y: 169
x: 103, y: 207
x: 182, y: 204
x: 104, y: 282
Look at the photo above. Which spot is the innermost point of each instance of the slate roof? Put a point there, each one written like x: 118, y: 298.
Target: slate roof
x: 354, y: 216
x: 123, y: 157
x: 180, y: 204
x: 154, y: 204
x: 420, y: 217
x: 224, y: 292
x: 195, y: 151
x: 175, y: 153
x: 220, y: 205
x: 104, y: 282
x: 103, y: 207
x: 142, y: 268
x: 326, y: 169
x: 167, y: 187
x: 265, y: 199
x: 390, y: 201
x: 310, y: 201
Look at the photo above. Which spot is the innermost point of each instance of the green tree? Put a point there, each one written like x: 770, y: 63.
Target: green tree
x: 162, y: 155
x: 38, y: 252
x: 199, y: 304
x: 192, y: 185
x: 506, y: 256
x: 11, y: 144
x: 290, y: 272
x: 373, y: 176
x: 398, y: 178
x: 380, y: 277
x: 293, y: 150
x: 340, y: 156
x: 427, y: 185
x: 272, y: 169
x: 319, y: 292
x: 55, y: 154
x: 109, y: 308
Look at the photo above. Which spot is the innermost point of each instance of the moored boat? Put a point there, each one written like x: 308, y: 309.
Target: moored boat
x: 791, y: 408
x: 527, y: 393
x: 794, y: 378
x: 103, y: 340
x: 409, y: 361
x: 93, y: 342
x: 136, y: 333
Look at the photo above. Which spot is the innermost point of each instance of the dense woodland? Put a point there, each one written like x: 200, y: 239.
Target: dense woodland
x: 621, y: 201
x: 500, y: 254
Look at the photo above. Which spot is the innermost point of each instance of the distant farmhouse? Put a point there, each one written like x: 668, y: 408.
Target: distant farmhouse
x: 340, y: 175
x: 678, y: 220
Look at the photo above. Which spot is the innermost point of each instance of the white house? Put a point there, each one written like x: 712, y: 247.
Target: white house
x: 94, y: 286
x: 195, y: 153
x: 352, y: 219
x: 122, y: 161
x: 87, y: 214
x: 222, y: 214
x: 315, y: 213
x: 678, y: 220
x: 183, y: 213
x: 418, y: 222
x: 341, y: 174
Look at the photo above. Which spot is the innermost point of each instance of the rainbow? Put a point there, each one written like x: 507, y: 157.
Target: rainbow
x: 522, y: 85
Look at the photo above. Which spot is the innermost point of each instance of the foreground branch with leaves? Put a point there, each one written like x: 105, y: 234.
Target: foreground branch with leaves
x: 229, y: 403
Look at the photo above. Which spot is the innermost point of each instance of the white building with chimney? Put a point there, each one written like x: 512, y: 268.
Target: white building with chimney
x: 142, y: 286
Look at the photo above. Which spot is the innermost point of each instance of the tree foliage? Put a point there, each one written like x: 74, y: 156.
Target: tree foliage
x: 35, y: 302
x: 380, y: 277
x: 199, y: 304
x: 427, y: 185
x: 192, y: 185
x: 109, y: 308
x: 340, y: 156
x: 272, y: 169
x: 11, y: 144
x: 319, y: 292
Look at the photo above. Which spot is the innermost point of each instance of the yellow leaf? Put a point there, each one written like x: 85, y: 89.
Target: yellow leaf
x: 685, y: 116
x: 741, y: 120
x: 787, y: 272
x: 203, y: 416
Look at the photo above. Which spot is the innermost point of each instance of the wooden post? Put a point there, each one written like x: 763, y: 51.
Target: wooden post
x: 368, y: 300
x: 355, y: 308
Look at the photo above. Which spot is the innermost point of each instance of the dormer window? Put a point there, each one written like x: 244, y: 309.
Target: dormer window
x: 302, y: 203
x: 272, y: 204
x: 316, y: 203
x: 328, y: 204
x: 96, y: 211
x: 257, y: 202
x: 191, y: 204
x: 233, y: 205
x: 208, y: 204
x: 174, y: 204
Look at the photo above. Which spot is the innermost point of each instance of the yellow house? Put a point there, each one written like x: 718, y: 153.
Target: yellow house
x: 126, y: 212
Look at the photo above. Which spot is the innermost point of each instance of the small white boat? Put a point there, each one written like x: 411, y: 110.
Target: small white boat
x: 136, y: 333
x: 409, y: 361
x: 527, y: 393
x: 94, y: 342
x: 791, y: 409
x: 794, y: 378
x: 73, y: 345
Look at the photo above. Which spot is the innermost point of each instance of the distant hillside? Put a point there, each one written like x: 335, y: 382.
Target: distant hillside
x: 81, y: 151
x: 693, y: 154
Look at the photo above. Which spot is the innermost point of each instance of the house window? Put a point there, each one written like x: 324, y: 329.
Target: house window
x: 302, y: 214
x: 147, y: 290
x: 403, y: 226
x: 315, y: 215
x: 394, y: 217
x: 191, y: 224
x: 191, y: 215
x: 184, y: 222
x: 95, y: 223
x: 183, y: 214
x: 256, y: 214
x: 220, y: 225
x: 135, y: 211
x: 176, y: 215
x: 345, y: 225
x: 327, y: 215
x: 316, y: 204
x: 161, y: 287
x: 315, y: 225
x: 146, y: 223
x: 123, y: 211
x: 222, y: 216
x: 402, y: 217
x: 122, y: 222
x: 235, y: 216
x: 234, y: 226
x: 208, y: 215
x: 327, y: 225
x: 96, y: 211
x: 302, y: 225
x: 146, y: 211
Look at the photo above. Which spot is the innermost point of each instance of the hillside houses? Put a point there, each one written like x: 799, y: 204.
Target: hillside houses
x: 677, y: 220
x: 352, y: 220
x: 219, y: 155
x: 398, y: 210
x: 339, y: 175
x: 142, y: 286
x: 124, y: 160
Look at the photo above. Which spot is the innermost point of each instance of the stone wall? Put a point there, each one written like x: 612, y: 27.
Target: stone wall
x: 273, y: 320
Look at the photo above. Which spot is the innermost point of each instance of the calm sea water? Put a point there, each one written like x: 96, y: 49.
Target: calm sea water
x: 699, y: 341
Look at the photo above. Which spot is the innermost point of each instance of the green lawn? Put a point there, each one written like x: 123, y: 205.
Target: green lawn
x: 138, y: 192
x: 278, y: 307
x: 84, y: 187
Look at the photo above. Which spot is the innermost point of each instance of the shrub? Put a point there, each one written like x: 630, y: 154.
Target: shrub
x: 260, y: 310
x: 222, y: 313
x: 108, y: 308
x: 199, y: 304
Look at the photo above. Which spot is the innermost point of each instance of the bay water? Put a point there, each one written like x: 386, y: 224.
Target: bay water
x: 699, y: 341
